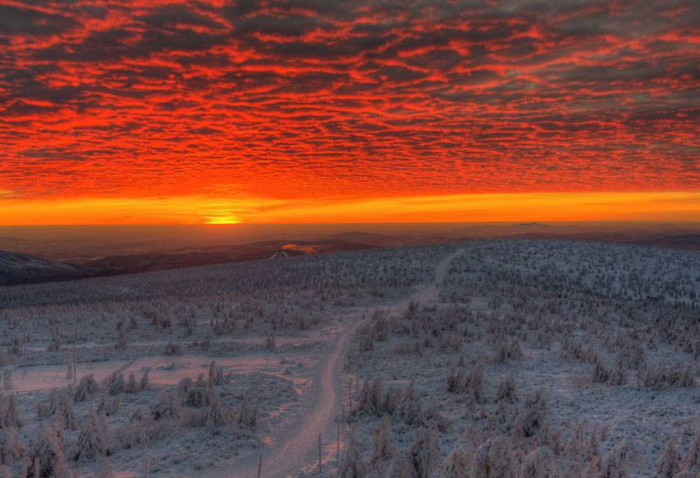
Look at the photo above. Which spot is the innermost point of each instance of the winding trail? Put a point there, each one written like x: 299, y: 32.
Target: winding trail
x: 298, y: 447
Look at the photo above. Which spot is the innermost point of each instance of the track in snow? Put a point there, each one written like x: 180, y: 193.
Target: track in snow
x: 298, y: 447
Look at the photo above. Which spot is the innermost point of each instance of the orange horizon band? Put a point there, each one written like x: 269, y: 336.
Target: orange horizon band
x: 507, y: 207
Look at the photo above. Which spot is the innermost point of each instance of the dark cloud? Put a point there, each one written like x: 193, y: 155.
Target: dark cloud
x: 27, y: 21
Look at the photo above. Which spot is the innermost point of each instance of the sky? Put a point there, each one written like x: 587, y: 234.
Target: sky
x: 171, y: 112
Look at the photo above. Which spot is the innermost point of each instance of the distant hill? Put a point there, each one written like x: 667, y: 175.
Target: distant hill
x: 217, y: 255
x: 18, y: 268
x: 367, y: 238
x: 681, y: 241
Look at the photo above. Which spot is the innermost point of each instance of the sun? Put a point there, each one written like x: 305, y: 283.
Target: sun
x: 222, y: 217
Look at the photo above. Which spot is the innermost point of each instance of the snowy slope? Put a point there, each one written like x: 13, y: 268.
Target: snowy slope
x: 18, y: 268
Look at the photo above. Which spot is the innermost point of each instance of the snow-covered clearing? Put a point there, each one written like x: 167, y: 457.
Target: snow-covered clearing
x: 489, y: 359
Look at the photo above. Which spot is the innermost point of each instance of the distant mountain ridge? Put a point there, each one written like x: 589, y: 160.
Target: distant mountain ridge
x: 17, y: 268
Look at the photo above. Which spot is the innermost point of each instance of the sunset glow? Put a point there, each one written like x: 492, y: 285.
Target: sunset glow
x: 178, y: 112
x: 674, y: 206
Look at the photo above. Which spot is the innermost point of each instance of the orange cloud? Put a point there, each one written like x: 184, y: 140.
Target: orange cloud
x: 291, y: 100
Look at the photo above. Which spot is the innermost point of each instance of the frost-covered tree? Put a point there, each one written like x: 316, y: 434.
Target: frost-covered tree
x: 9, y: 412
x: 167, y: 408
x: 215, y: 414
x: 458, y: 463
x: 93, y: 440
x: 352, y: 465
x: 614, y: 465
x: 7, y: 380
x: 668, y: 463
x: 115, y: 383
x: 122, y: 339
x: 383, y: 448
x: 270, y: 344
x: 55, y: 336
x: 217, y: 376
x: 69, y: 366
x: 494, y: 459
x: 247, y: 415
x: 86, y: 387
x: 425, y: 452
x: 108, y: 406
x: 539, y: 463
x: 172, y: 349
x: 131, y: 386
x: 47, y: 457
x: 60, y: 404
x: 506, y: 390
x: 105, y: 470
x: 691, y: 459
x: 65, y: 410
x: 370, y: 400
x: 11, y: 448
x: 145, y: 380
x: 401, y: 466
x: 410, y: 408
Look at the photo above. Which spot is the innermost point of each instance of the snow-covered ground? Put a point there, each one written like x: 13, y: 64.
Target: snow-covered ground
x: 482, y: 359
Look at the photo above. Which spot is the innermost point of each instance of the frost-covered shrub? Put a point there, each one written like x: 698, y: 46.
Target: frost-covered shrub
x: 600, y: 373
x: 131, y: 386
x: 507, y: 351
x: 145, y: 380
x: 576, y: 351
x: 401, y: 466
x: 469, y: 383
x: 9, y: 412
x: 370, y: 400
x: 425, y: 452
x: 192, y: 395
x: 631, y: 356
x: 550, y: 438
x: 506, y: 390
x: 270, y: 343
x: 247, y: 415
x: 663, y: 377
x: 114, y: 384
x: 614, y: 465
x: 410, y: 408
x: 668, y: 463
x: 55, y: 336
x: 93, y: 440
x: 60, y: 404
x: 7, y: 380
x: 618, y: 376
x: 217, y: 376
x: 215, y: 414
x: 691, y: 459
x: 458, y: 463
x: 529, y: 421
x: 172, y: 348
x: 539, y: 463
x: 167, y: 408
x: 109, y: 406
x: 105, y: 470
x: 86, y: 387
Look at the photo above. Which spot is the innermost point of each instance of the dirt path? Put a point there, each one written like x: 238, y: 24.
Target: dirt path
x: 298, y: 447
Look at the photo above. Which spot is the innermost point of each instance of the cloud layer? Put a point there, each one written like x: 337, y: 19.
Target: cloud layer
x: 298, y: 99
